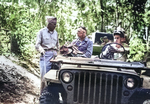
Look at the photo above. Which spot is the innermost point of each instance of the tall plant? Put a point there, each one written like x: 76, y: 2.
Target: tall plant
x: 137, y: 48
x: 24, y: 21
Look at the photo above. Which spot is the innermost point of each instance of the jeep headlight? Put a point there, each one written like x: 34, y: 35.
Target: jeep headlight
x: 67, y: 77
x: 130, y: 83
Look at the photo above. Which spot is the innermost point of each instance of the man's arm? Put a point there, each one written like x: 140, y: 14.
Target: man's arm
x: 57, y: 44
x: 108, y: 52
x: 104, y: 53
x: 38, y: 46
x: 89, y: 51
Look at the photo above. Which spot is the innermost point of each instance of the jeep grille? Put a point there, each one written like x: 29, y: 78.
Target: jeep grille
x: 96, y: 87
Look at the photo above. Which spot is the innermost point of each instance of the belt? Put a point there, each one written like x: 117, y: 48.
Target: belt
x: 51, y: 49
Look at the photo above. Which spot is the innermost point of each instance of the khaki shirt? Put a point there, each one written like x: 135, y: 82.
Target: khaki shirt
x: 46, y: 40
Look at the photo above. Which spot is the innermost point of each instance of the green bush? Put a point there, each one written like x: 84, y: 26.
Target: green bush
x: 137, y: 49
x: 19, y: 24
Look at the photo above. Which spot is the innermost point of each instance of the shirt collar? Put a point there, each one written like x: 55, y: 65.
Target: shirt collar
x: 85, y: 39
x: 49, y: 31
x: 46, y: 28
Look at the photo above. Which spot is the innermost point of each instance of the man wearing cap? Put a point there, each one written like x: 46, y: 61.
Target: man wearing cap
x: 47, y: 44
x: 110, y: 52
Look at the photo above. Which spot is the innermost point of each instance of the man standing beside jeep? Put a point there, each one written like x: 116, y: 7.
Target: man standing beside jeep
x: 47, y: 44
x: 83, y: 44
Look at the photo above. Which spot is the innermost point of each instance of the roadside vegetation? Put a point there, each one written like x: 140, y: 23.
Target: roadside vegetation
x: 20, y: 20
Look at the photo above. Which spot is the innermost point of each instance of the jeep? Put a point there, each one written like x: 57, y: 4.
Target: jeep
x: 89, y: 81
x: 78, y: 80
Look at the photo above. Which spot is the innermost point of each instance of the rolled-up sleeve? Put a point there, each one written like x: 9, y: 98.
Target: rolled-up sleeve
x: 38, y: 46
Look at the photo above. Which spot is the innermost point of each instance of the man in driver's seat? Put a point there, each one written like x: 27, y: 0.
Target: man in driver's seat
x: 114, y: 50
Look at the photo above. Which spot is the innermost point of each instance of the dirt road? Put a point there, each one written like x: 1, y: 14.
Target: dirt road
x: 17, y: 85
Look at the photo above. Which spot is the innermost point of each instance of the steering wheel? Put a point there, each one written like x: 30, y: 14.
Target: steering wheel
x: 112, y: 51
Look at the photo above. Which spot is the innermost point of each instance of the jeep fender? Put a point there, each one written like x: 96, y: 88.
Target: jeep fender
x: 139, y: 96
x: 52, y: 76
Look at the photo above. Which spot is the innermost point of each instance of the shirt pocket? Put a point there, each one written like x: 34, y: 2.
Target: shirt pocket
x: 83, y: 47
x: 54, y: 40
x: 46, y: 40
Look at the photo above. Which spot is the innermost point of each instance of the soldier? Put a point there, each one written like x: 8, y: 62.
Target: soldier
x: 110, y: 52
x: 82, y: 43
x: 47, y: 45
x: 105, y: 40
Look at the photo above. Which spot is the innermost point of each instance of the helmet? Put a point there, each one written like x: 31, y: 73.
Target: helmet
x: 119, y: 33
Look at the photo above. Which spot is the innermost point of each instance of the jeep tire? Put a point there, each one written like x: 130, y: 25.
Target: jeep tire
x: 49, y: 95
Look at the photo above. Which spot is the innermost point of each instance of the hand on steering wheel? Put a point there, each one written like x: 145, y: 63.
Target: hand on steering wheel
x: 109, y: 50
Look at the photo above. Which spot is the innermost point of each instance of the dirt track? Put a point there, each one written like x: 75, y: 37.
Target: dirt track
x: 17, y: 85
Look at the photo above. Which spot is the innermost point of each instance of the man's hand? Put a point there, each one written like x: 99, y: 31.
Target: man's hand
x: 76, y: 51
x: 112, y: 49
x: 42, y: 52
x: 115, y: 49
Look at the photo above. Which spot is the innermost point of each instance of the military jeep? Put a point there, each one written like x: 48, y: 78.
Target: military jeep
x: 94, y: 81
x: 78, y: 80
x: 98, y: 39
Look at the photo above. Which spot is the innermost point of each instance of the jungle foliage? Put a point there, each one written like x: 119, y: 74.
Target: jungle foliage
x: 20, y: 20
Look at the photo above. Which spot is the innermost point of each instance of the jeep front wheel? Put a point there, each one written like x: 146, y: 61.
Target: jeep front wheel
x: 49, y: 95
